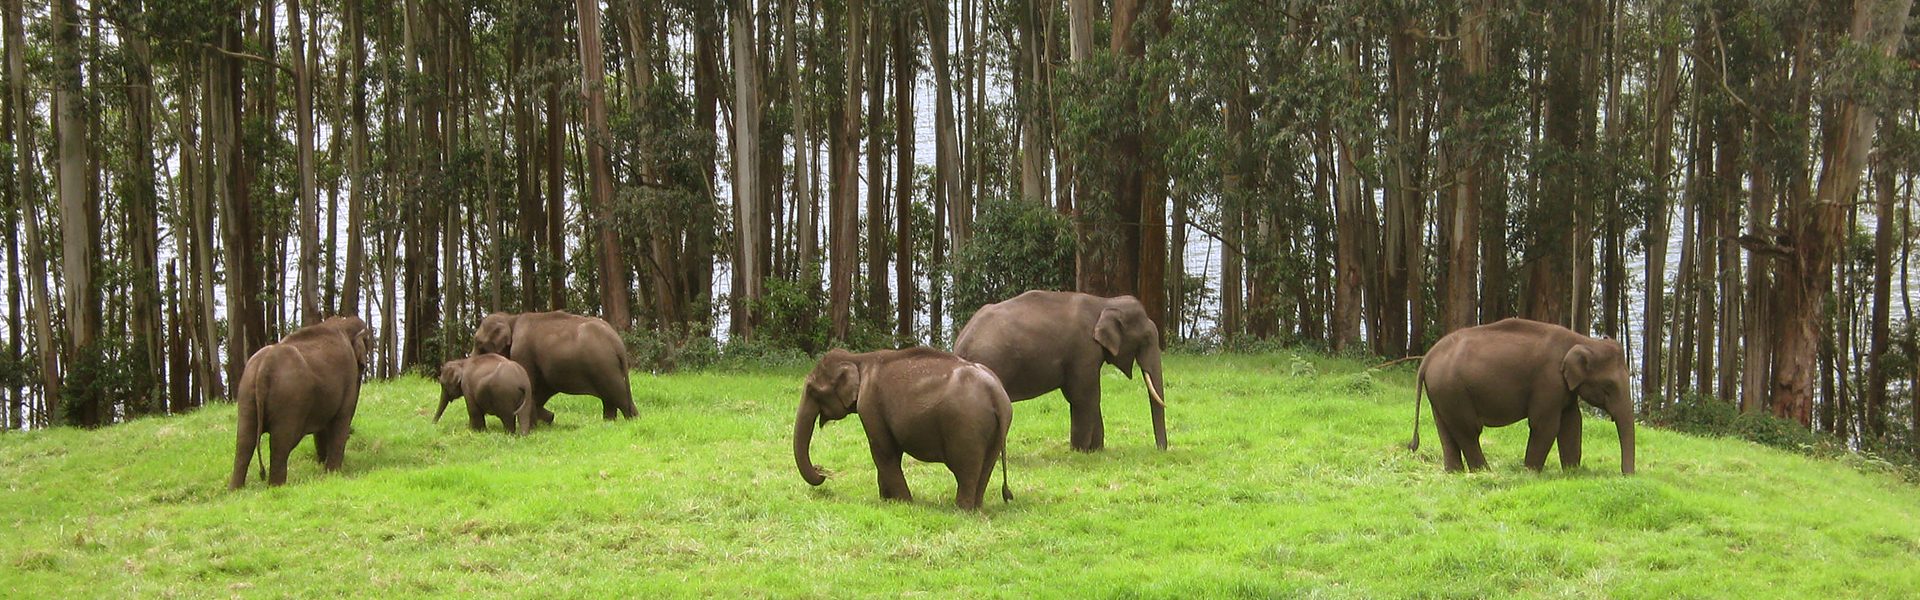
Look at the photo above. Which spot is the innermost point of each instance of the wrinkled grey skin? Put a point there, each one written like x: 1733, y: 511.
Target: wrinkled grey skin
x: 1495, y: 375
x: 493, y: 386
x: 1042, y: 341
x: 563, y: 353
x: 921, y: 402
x: 307, y: 383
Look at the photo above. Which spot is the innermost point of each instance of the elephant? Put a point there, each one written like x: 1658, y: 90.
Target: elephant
x: 1497, y: 374
x: 923, y: 402
x: 307, y: 383
x: 1041, y: 341
x: 563, y: 353
x: 492, y: 385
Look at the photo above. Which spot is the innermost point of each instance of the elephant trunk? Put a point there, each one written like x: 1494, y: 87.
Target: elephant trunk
x: 803, y: 424
x: 1622, y: 412
x: 1156, y: 397
x: 445, y: 398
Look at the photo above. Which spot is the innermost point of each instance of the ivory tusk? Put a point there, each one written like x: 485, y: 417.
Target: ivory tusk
x: 1152, y: 391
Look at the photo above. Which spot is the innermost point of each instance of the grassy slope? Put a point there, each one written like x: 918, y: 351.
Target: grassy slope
x: 1280, y: 482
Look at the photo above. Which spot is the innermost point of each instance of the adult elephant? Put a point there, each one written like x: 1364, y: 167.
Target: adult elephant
x: 1495, y: 375
x: 307, y: 383
x: 1042, y: 341
x: 563, y: 353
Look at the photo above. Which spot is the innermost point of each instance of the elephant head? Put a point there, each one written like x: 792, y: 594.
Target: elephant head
x: 832, y: 391
x: 1126, y: 336
x: 451, y: 376
x: 495, y: 335
x: 1596, y: 371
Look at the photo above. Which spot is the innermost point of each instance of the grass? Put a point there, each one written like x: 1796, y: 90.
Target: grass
x: 1287, y: 477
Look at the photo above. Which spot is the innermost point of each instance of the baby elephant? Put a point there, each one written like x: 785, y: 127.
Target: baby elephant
x: 1498, y: 374
x: 923, y: 402
x: 492, y: 385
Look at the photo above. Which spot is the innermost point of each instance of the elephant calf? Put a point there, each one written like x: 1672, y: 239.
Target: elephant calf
x: 922, y: 402
x: 492, y: 385
x: 1497, y: 374
x: 308, y: 383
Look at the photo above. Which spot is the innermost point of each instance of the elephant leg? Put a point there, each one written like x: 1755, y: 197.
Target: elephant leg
x: 336, y: 445
x: 1570, y: 438
x: 540, y: 412
x: 476, y: 418
x: 320, y: 446
x: 969, y: 482
x: 1468, y: 437
x: 616, y: 397
x: 1083, y: 398
x: 279, y: 448
x: 886, y: 461
x: 1449, y: 447
x: 1540, y: 434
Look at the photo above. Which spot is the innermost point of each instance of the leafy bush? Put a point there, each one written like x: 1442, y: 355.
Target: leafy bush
x: 1016, y: 246
x: 683, y: 347
x: 793, y: 314
x: 1706, y: 415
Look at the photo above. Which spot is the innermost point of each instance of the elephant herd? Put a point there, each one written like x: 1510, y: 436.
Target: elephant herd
x: 951, y: 408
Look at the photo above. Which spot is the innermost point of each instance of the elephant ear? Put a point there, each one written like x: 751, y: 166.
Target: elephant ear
x: 363, y: 346
x: 845, y: 386
x: 1577, y: 366
x: 1111, y: 332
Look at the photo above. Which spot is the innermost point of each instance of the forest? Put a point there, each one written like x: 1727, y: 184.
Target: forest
x: 1726, y: 186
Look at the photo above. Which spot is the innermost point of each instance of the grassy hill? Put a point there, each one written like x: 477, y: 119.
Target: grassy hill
x: 1287, y: 477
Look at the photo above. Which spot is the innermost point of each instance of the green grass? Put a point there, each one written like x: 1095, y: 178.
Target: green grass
x: 1287, y: 477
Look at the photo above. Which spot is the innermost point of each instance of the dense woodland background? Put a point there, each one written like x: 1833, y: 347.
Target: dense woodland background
x: 1725, y: 185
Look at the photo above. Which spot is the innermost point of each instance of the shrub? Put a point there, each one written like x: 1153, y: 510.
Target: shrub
x: 1016, y: 246
x: 1706, y: 415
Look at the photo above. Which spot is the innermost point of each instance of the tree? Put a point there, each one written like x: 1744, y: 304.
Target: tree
x: 1815, y: 228
x: 749, y: 204
x: 613, y: 269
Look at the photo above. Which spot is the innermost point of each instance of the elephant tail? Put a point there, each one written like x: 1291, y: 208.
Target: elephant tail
x: 1419, y: 383
x: 1006, y: 491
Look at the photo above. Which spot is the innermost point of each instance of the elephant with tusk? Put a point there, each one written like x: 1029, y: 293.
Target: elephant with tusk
x: 1042, y: 341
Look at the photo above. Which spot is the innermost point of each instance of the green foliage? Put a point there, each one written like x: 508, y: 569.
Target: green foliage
x: 1016, y: 246
x: 1707, y: 415
x: 793, y: 314
x: 1273, y: 487
x: 685, y: 346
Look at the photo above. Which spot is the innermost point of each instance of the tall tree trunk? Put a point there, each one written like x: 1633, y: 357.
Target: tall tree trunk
x: 1815, y: 228
x: 950, y: 189
x: 903, y: 74
x: 845, y: 238
x: 1884, y: 188
x: 142, y: 203
x: 875, y: 312
x: 748, y: 205
x: 1654, y: 236
x: 79, y: 213
x: 1550, y: 251
x: 357, y: 162
x: 1031, y: 88
x: 26, y: 177
x: 593, y: 75
x: 1462, y: 304
x: 807, y: 228
x: 309, y: 188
